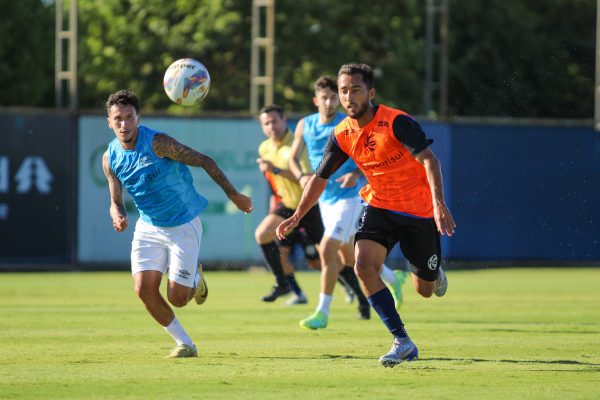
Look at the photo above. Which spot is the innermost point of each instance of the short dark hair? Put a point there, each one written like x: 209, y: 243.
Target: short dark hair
x: 272, y: 107
x: 326, y: 82
x: 363, y: 69
x: 123, y: 98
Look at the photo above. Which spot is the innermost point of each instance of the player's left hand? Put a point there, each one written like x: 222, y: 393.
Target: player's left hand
x: 347, y: 180
x: 443, y: 219
x: 242, y: 202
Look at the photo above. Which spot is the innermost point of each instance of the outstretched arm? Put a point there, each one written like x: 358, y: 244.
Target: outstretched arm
x: 166, y: 146
x: 117, y: 206
x: 443, y: 218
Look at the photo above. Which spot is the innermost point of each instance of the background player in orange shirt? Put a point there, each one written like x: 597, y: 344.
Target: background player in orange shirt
x: 404, y: 196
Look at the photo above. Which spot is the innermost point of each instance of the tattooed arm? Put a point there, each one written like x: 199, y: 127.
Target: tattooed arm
x: 117, y: 206
x: 166, y: 146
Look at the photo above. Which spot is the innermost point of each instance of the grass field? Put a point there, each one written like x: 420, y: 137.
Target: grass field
x: 504, y: 333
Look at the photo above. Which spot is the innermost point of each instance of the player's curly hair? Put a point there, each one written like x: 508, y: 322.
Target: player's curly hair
x: 123, y: 98
x: 363, y: 69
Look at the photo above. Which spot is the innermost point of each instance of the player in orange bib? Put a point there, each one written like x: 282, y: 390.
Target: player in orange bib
x: 404, y: 197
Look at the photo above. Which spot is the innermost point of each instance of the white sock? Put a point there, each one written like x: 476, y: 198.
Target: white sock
x: 324, y: 303
x: 387, y: 275
x: 178, y: 333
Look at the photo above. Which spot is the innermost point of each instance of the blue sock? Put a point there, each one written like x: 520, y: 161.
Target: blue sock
x: 294, y: 284
x: 383, y: 304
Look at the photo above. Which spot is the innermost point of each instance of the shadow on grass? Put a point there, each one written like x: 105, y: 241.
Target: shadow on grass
x: 549, y: 362
x: 322, y: 356
x: 425, y: 359
x: 540, y: 331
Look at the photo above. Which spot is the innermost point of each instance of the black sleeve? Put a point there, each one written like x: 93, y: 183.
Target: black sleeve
x: 333, y: 158
x: 409, y: 133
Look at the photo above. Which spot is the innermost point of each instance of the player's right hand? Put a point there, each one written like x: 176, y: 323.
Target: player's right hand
x: 242, y: 202
x: 286, y: 227
x: 120, y: 223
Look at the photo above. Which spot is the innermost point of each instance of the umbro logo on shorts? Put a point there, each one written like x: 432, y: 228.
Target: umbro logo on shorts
x: 432, y: 263
x: 184, y: 274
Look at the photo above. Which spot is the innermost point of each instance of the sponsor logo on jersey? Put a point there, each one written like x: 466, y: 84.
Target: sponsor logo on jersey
x: 145, y: 161
x: 389, y: 161
x: 142, y: 178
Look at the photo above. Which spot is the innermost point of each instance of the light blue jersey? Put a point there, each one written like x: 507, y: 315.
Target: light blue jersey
x: 162, y: 189
x: 316, y: 134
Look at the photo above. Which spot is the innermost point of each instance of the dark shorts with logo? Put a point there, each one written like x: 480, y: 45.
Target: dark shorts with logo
x: 309, y: 232
x: 419, y: 238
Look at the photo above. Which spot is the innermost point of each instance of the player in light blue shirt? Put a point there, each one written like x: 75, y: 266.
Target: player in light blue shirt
x: 340, y: 206
x: 153, y: 168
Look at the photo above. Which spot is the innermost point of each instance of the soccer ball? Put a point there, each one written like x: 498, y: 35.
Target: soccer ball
x: 186, y: 82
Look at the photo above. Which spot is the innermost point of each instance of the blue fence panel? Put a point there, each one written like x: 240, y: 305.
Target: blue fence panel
x: 525, y: 192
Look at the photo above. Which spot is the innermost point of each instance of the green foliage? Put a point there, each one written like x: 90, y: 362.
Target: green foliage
x: 522, y: 59
x: 313, y: 40
x: 130, y: 44
x: 513, y: 333
x: 510, y: 58
x: 26, y: 53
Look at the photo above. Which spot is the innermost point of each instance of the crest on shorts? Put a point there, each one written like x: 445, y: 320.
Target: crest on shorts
x: 432, y: 263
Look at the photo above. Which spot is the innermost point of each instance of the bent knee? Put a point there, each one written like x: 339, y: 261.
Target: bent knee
x: 145, y: 292
x: 262, y: 236
x: 363, y: 271
x: 178, y: 300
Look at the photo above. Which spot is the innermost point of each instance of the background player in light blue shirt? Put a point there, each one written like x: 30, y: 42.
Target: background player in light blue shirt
x: 153, y: 168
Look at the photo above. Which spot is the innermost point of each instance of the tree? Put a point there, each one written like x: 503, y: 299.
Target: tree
x: 319, y: 38
x: 522, y: 59
x: 130, y: 44
x: 512, y: 58
x: 26, y: 53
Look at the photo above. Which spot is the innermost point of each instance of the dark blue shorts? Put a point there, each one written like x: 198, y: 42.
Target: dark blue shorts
x: 418, y: 237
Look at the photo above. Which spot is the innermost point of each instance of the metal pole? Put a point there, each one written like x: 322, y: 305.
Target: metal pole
x: 270, y: 56
x: 429, y: 57
x: 73, y: 56
x: 444, y: 61
x: 597, y: 88
x: 58, y: 24
x: 254, y: 72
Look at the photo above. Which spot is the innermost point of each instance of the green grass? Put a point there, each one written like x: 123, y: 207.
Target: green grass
x: 505, y: 333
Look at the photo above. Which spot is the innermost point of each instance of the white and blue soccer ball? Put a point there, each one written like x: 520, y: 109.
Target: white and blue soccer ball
x: 186, y: 82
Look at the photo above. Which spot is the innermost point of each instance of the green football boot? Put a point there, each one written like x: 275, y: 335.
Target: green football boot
x: 316, y: 321
x: 396, y: 287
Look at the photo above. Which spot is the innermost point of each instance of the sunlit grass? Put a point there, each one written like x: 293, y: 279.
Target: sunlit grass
x: 506, y: 333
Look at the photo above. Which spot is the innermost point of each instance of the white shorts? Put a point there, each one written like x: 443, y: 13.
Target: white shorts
x: 341, y: 218
x: 174, y: 249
